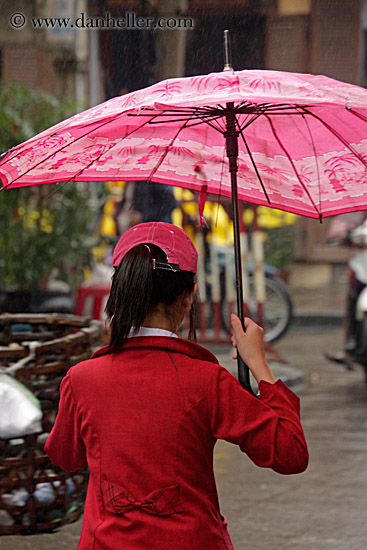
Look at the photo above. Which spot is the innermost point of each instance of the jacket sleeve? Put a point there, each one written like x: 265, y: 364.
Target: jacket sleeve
x: 267, y: 429
x: 64, y: 445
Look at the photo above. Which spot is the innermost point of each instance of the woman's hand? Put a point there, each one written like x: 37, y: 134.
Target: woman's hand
x: 250, y: 346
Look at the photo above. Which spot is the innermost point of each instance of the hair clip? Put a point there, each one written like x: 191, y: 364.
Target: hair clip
x: 165, y: 266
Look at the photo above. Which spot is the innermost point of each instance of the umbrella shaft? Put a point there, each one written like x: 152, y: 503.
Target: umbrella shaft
x: 237, y: 249
x: 243, y: 370
x: 231, y: 136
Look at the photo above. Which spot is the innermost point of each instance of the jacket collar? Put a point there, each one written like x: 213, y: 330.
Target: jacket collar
x: 164, y: 343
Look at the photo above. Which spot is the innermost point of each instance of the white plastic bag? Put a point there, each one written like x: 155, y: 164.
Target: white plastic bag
x: 20, y: 410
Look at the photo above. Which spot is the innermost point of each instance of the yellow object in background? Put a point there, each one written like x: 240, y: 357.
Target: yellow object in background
x: 107, y: 225
x: 269, y: 218
x: 188, y: 206
x: 43, y: 219
x: 221, y: 226
x: 115, y: 190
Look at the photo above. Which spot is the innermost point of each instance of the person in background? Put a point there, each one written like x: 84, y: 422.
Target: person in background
x: 144, y: 201
x: 339, y: 233
x: 144, y: 413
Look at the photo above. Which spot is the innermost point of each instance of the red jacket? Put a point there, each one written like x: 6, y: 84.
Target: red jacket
x: 146, y: 420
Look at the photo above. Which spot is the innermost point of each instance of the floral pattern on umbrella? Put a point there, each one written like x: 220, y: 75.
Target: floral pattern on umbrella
x: 302, y: 141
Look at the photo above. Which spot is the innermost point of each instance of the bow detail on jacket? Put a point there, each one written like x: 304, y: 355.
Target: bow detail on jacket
x: 161, y: 502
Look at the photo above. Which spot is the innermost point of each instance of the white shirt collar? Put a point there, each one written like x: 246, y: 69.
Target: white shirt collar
x: 145, y: 331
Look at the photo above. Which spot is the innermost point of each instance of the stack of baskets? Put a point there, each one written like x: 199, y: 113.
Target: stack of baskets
x: 35, y: 495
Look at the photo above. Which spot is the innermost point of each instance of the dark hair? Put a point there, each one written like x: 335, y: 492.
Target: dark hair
x: 137, y: 288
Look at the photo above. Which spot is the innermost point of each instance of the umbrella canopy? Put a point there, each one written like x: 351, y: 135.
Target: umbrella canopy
x: 294, y: 142
x: 302, y: 141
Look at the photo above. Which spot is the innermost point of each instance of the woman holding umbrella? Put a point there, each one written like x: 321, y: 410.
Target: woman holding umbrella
x: 144, y: 412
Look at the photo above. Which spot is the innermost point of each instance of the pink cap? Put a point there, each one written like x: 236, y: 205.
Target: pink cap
x: 178, y: 247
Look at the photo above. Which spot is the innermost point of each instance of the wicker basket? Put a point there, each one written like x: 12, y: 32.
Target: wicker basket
x: 35, y: 495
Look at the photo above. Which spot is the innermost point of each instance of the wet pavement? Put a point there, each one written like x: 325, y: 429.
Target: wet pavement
x: 323, y: 508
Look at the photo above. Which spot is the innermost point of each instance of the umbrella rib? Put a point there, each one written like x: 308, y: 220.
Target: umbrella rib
x: 5, y: 160
x: 293, y: 166
x: 216, y: 128
x: 247, y: 124
x: 208, y: 111
x: 247, y: 119
x: 106, y: 151
x: 62, y: 148
x: 50, y: 135
x: 254, y: 165
x: 220, y: 184
x: 337, y: 135
x: 264, y: 108
x: 165, y: 152
x: 206, y: 115
x: 316, y: 161
x: 221, y: 175
x: 207, y: 119
x: 192, y: 123
x: 355, y: 113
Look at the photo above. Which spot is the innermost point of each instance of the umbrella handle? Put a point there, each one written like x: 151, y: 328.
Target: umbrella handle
x: 244, y: 375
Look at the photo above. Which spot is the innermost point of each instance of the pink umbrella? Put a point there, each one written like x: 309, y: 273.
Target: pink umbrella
x: 306, y: 135
x: 293, y: 141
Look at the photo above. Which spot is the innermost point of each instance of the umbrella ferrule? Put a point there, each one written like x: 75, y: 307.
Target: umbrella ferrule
x: 227, y: 52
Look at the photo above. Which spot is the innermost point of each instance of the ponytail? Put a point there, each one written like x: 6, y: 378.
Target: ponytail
x: 137, y: 288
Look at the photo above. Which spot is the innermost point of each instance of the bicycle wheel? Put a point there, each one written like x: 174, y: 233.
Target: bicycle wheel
x: 277, y: 308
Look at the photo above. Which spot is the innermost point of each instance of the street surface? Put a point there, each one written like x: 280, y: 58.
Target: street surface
x: 323, y: 508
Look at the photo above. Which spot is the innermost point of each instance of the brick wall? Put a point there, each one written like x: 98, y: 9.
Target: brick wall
x: 326, y: 41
